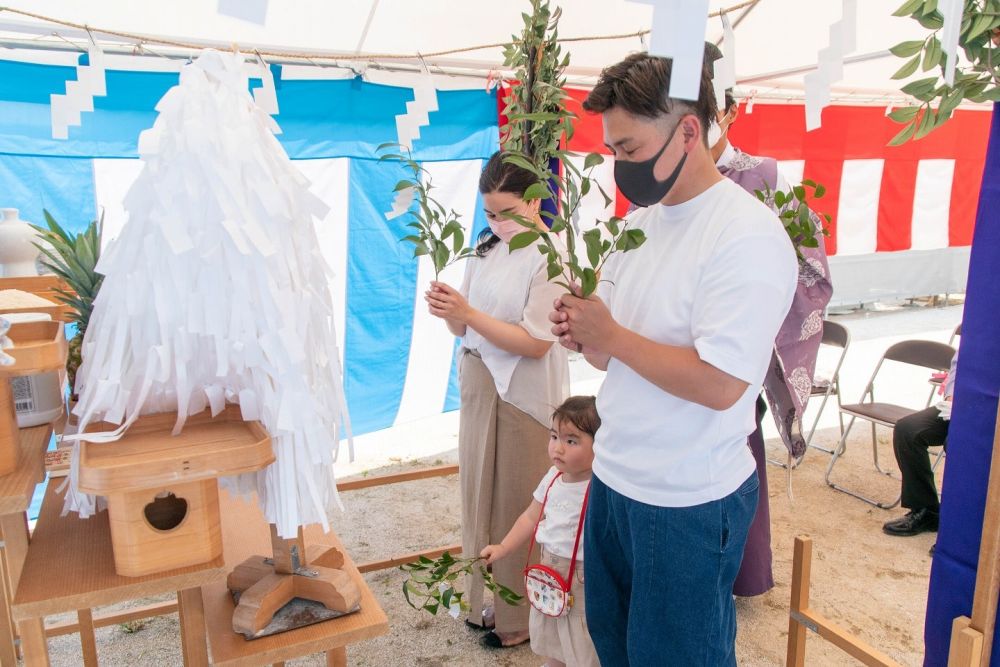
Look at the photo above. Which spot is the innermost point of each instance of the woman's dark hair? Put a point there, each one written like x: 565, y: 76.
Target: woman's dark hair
x: 639, y: 85
x: 581, y: 411
x: 501, y: 176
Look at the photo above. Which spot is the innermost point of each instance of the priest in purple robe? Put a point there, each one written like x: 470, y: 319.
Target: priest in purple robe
x: 789, y: 379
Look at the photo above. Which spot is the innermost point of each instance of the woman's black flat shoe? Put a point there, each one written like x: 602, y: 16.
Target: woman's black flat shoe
x: 477, y: 627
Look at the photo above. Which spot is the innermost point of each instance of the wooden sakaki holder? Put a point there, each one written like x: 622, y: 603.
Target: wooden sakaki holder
x: 263, y: 586
x: 162, y: 491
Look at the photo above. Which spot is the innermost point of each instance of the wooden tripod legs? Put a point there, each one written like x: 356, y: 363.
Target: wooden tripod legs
x: 266, y: 585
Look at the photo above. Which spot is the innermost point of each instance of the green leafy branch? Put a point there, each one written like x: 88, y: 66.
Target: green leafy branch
x: 535, y: 125
x: 431, y: 584
x: 539, y: 129
x: 795, y: 213
x: 978, y: 82
x: 437, y: 232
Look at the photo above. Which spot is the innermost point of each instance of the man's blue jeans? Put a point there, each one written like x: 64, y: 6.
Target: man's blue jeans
x: 659, y: 580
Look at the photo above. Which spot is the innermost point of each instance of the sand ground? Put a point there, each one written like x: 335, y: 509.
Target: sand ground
x: 875, y: 586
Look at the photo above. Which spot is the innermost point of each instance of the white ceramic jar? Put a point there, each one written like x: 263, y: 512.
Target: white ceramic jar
x: 17, y: 250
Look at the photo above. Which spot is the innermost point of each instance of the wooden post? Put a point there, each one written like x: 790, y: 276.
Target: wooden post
x: 336, y: 657
x: 984, y: 604
x: 801, y: 568
x: 88, y: 645
x: 966, y: 649
x: 192, y: 617
x: 36, y: 652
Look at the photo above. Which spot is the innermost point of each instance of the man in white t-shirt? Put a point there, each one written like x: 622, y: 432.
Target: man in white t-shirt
x: 685, y: 326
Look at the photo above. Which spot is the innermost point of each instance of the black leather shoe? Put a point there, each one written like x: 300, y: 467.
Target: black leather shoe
x: 915, y: 522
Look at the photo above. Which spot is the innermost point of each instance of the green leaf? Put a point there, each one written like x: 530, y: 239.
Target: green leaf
x: 909, y: 68
x: 404, y: 185
x: 904, y: 135
x: 927, y: 124
x: 819, y: 191
x: 904, y: 114
x: 980, y: 25
x: 635, y: 238
x: 592, y: 239
x: 920, y: 87
x: 908, y: 8
x: 523, y: 240
x: 388, y: 144
x: 553, y: 270
x: 592, y: 160
x: 932, y: 55
x: 537, y: 191
x: 907, y: 49
x: 588, y: 282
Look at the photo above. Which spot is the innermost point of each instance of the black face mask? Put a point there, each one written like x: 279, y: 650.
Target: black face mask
x: 637, y: 182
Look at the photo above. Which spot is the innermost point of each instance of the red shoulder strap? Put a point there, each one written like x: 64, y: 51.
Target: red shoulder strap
x: 541, y: 513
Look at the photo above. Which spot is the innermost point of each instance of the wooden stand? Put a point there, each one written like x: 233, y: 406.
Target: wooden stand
x: 163, y: 501
x: 802, y: 618
x: 245, y: 533
x: 38, y: 347
x: 70, y: 567
x: 972, y: 638
x: 266, y: 585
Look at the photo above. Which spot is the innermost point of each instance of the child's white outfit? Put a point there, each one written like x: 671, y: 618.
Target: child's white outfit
x: 566, y: 637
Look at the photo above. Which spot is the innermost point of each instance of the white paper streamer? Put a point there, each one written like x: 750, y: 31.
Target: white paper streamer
x: 830, y: 64
x: 5, y: 342
x: 266, y: 96
x: 216, y: 292
x: 725, y: 67
x: 678, y: 33
x: 401, y: 202
x: 417, y: 111
x: 79, y: 97
x: 951, y: 11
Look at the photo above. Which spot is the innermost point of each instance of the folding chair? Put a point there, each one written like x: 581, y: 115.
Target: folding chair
x: 834, y: 335
x: 923, y: 353
x: 937, y: 381
x: 957, y: 333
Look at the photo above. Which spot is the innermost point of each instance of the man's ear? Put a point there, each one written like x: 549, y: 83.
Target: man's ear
x: 735, y: 113
x: 691, y: 128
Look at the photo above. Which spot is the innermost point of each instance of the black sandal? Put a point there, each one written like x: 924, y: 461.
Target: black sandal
x: 492, y: 640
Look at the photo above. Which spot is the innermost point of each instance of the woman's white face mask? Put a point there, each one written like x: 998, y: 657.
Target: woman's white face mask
x: 717, y: 131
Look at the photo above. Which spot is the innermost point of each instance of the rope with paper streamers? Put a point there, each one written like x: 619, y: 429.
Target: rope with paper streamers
x: 300, y: 55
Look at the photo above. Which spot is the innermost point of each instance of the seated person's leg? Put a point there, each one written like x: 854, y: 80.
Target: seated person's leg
x: 910, y: 440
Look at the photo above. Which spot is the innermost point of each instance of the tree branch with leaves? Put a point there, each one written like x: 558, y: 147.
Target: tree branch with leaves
x: 976, y: 81
x: 536, y: 137
x: 437, y: 232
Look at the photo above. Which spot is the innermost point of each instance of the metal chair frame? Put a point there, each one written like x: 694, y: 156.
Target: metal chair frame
x: 941, y: 351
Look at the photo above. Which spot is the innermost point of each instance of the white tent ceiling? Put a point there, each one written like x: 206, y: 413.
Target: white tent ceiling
x: 776, y: 36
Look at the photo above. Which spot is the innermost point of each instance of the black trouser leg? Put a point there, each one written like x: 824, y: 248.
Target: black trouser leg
x: 910, y: 440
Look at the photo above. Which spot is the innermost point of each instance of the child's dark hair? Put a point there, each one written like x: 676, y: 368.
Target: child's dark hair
x: 501, y: 176
x: 581, y: 411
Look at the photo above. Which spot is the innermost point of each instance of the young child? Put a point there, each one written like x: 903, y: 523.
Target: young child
x: 562, y: 640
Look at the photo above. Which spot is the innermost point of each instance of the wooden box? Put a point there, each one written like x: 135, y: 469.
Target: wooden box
x: 163, y: 497
x: 38, y: 347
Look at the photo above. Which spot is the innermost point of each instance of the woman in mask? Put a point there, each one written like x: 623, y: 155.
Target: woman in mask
x: 512, y: 377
